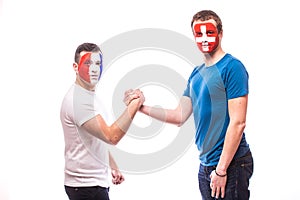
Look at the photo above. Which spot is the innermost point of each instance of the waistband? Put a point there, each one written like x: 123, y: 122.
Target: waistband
x: 233, y: 162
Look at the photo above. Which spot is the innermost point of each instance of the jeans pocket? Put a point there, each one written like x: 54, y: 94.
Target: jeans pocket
x: 248, y: 166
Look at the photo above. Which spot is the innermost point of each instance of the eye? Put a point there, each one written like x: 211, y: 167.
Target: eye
x: 98, y: 63
x: 198, y: 34
x: 87, y: 62
x: 210, y: 32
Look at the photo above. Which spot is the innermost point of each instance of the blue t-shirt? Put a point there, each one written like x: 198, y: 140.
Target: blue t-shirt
x: 210, y: 88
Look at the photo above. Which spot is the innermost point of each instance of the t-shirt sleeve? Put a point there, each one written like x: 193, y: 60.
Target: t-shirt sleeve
x: 85, y: 113
x: 187, y: 90
x: 85, y: 106
x: 237, y: 80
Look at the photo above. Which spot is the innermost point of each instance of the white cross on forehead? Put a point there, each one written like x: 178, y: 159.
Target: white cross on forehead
x: 204, y: 37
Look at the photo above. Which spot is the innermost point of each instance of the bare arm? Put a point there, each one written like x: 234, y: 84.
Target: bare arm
x: 118, y: 178
x: 114, y: 133
x: 237, y: 112
x: 175, y: 116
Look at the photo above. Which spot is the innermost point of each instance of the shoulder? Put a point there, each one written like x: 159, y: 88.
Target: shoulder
x: 197, y: 69
x: 230, y: 64
x: 234, y: 62
x: 68, y: 96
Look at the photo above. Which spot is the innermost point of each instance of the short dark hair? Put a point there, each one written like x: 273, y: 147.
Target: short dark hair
x: 205, y: 15
x: 89, y: 47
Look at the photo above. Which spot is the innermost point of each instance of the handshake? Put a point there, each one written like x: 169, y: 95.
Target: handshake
x: 134, y: 97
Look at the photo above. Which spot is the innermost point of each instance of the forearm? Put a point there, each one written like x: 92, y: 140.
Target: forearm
x: 112, y: 162
x: 118, y: 178
x: 121, y: 126
x: 232, y: 140
x: 161, y: 114
x: 237, y: 109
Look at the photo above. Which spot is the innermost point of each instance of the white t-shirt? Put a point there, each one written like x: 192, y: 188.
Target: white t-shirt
x: 86, y: 157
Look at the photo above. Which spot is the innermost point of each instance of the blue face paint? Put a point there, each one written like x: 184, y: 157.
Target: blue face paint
x: 90, y: 67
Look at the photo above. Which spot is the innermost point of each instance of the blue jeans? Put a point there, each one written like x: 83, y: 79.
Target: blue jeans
x: 87, y: 193
x: 239, y: 173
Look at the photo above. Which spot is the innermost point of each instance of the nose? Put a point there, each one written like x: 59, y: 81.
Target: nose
x: 94, y: 68
x: 204, y: 38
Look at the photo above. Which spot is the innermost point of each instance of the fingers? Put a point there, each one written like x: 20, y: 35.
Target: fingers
x: 217, y: 186
x: 131, y: 94
x: 128, y: 91
x: 118, y: 178
x: 213, y: 190
x: 222, y: 192
x: 142, y: 97
x: 128, y: 96
x: 216, y: 190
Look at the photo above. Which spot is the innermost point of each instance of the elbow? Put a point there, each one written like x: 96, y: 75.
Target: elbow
x: 115, y: 137
x: 238, y: 126
x: 179, y: 118
x: 114, y: 143
x: 110, y: 139
x: 179, y: 122
x: 114, y: 140
x: 241, y: 126
x: 176, y: 121
x: 115, y: 134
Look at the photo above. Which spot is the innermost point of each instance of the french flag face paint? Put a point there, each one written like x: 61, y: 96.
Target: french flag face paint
x: 90, y: 67
x: 206, y: 36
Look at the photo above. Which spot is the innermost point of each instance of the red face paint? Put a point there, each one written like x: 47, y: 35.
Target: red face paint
x: 90, y: 67
x: 206, y: 36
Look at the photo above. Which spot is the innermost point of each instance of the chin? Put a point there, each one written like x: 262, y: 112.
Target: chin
x: 94, y: 83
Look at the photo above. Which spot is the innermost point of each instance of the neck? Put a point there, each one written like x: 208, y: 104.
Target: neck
x: 212, y: 58
x: 85, y: 85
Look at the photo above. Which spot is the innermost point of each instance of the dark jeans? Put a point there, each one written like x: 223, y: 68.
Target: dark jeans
x: 238, y: 174
x: 87, y: 193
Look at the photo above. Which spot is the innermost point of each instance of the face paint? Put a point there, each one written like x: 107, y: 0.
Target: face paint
x: 90, y: 67
x: 206, y: 36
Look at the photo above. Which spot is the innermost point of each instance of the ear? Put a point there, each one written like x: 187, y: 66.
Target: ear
x: 221, y: 34
x: 75, y: 67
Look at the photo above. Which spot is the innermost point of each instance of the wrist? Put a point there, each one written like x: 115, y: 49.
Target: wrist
x: 220, y: 174
x: 141, y: 107
x: 144, y: 109
x: 135, y: 103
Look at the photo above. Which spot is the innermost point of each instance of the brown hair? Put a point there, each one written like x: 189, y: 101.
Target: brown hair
x: 206, y: 15
x: 89, y: 47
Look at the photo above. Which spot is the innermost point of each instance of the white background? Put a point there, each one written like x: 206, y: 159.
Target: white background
x: 37, y: 43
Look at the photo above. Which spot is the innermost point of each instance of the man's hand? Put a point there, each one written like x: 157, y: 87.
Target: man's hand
x: 217, y: 185
x: 117, y: 177
x: 131, y: 94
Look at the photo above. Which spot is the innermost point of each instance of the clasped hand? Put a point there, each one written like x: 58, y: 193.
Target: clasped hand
x: 132, y: 95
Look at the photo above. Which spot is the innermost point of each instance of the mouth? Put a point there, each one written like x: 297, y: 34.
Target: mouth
x: 205, y: 44
x: 95, y: 77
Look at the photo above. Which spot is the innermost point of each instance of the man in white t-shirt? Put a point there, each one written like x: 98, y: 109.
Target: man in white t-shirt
x: 86, y: 132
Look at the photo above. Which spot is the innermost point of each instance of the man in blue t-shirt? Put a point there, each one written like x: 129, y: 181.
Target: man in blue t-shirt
x: 217, y: 95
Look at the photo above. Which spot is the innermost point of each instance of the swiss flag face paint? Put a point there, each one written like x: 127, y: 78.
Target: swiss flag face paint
x: 206, y: 36
x: 90, y: 67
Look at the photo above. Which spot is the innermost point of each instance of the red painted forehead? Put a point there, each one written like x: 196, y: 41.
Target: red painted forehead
x: 208, y: 26
x: 85, y: 57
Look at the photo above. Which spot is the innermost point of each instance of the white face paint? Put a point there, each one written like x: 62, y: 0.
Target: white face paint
x: 94, y: 70
x: 206, y: 36
x: 90, y: 67
x: 205, y: 39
